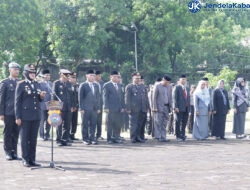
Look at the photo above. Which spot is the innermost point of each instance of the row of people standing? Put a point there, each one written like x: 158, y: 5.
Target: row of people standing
x: 211, y: 108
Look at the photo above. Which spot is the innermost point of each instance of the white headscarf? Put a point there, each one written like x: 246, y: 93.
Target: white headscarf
x: 218, y: 85
x: 203, y: 94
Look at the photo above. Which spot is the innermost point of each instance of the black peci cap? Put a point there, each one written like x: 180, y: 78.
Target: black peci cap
x: 114, y: 73
x: 205, y: 79
x: 167, y: 78
x: 46, y: 71
x: 98, y: 72
x: 136, y: 74
x: 90, y: 72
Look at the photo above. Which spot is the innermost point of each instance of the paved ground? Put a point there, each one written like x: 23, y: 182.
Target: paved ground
x: 192, y: 165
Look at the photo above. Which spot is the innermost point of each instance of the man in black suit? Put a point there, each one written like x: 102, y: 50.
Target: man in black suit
x: 113, y: 106
x: 100, y: 83
x: 181, y: 103
x: 75, y: 105
x: 89, y: 102
x: 144, y: 116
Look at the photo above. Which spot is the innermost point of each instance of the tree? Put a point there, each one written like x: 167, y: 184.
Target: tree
x: 21, y: 26
x: 225, y: 74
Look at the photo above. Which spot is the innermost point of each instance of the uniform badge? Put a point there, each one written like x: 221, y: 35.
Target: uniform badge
x: 39, y: 91
x: 27, y: 89
x: 61, y: 92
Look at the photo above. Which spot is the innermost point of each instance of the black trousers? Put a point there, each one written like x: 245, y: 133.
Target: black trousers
x: 113, y: 121
x: 28, y: 133
x: 191, y: 119
x: 10, y: 134
x: 99, y: 125
x: 89, y: 125
x: 44, y: 124
x: 125, y: 121
x: 143, y: 125
x: 62, y: 131
x: 73, y: 126
x: 135, y: 122
x: 181, y: 122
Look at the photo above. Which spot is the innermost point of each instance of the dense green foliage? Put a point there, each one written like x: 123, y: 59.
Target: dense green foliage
x: 170, y: 38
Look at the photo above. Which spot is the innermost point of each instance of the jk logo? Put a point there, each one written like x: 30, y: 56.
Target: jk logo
x: 194, y: 6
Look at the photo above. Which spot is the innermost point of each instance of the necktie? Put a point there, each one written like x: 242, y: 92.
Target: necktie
x: 185, y: 96
x: 92, y: 88
x: 185, y: 93
x: 116, y: 87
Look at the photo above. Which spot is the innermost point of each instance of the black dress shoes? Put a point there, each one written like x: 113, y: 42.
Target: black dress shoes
x: 15, y: 157
x: 8, y: 157
x: 140, y: 140
x: 26, y: 163
x: 110, y: 142
x: 133, y: 141
x: 33, y: 163
x: 86, y: 142
x: 94, y: 142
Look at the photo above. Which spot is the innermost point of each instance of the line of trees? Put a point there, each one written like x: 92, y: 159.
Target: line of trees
x: 170, y: 38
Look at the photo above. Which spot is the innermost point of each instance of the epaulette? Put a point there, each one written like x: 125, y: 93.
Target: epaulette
x: 3, y: 80
x: 20, y: 82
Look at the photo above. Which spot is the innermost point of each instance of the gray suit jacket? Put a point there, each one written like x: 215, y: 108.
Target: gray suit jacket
x: 87, y: 100
x: 159, y: 96
x: 200, y: 106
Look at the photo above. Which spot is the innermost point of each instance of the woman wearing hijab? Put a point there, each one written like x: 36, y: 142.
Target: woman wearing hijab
x: 201, y: 110
x: 221, y: 108
x: 240, y: 103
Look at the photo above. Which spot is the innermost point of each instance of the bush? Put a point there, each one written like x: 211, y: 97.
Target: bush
x: 225, y: 74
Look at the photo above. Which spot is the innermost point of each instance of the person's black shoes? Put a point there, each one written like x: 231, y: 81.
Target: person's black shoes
x: 100, y: 138
x: 110, y: 142
x: 33, y: 163
x: 86, y: 142
x: 15, y: 157
x: 164, y: 140
x: 133, y: 141
x: 8, y: 157
x: 26, y: 163
x: 140, y: 140
x: 94, y: 142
